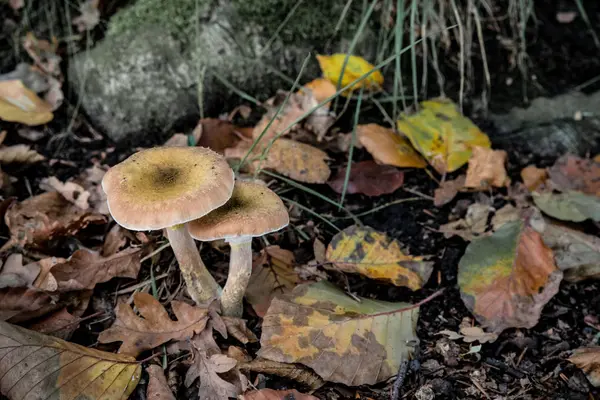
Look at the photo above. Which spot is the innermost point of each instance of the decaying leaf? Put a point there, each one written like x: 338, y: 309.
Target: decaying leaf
x: 19, y: 153
x: 342, y: 340
x: 368, y: 178
x: 296, y: 372
x: 36, y: 366
x: 332, y: 67
x: 321, y: 89
x: 114, y: 240
x: 43, y: 53
x: 60, y: 324
x: 271, y: 394
x: 217, y: 134
x: 19, y: 104
x: 533, y: 177
x: 568, y: 206
x: 26, y: 303
x: 474, y: 224
x: 505, y: 279
x: 272, y: 273
x: 237, y: 328
x: 156, y: 327
x: 448, y: 190
x: 486, y: 168
x: 442, y: 134
x: 388, y: 147
x: 471, y: 334
x: 574, y: 173
x: 91, y: 181
x: 588, y: 360
x: 70, y: 191
x: 35, y: 220
x: 373, y: 254
x: 14, y: 274
x: 158, y: 388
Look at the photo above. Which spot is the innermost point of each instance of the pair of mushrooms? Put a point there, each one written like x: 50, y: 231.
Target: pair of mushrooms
x: 191, y: 192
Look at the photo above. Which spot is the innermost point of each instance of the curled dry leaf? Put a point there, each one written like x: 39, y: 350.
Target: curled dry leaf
x: 158, y: 388
x: 271, y: 394
x: 506, y: 279
x: 34, y: 221
x: 342, y: 340
x: 588, y: 360
x: 156, y: 327
x: 19, y: 153
x: 237, y: 328
x: 296, y: 372
x: 19, y: 104
x: 474, y: 224
x: 448, y: 191
x: 442, y: 134
x: 568, y: 206
x: 365, y: 251
x: 36, y: 366
x: 486, y: 168
x: 533, y: 177
x: 388, y: 147
x: 217, y: 134
x: 574, y: 173
x: 70, y: 191
x: 272, y: 273
x: 332, y: 67
x: 368, y: 178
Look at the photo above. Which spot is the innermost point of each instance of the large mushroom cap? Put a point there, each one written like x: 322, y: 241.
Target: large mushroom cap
x: 253, y: 210
x: 165, y: 186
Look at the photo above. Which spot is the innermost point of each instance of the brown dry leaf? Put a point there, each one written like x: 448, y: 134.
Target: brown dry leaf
x: 19, y: 104
x: 271, y: 394
x: 36, y: 366
x: 216, y: 134
x: 448, y: 191
x: 588, y: 360
x: 237, y: 328
x: 86, y: 268
x: 14, y: 274
x: 507, y: 278
x: 158, y: 388
x: 19, y: 153
x: 388, y: 147
x: 43, y: 53
x: 45, y: 280
x: 90, y: 16
x: 272, y: 273
x: 177, y: 140
x: 486, y: 168
x: 296, y: 372
x: 26, y: 303
x: 533, y: 177
x: 474, y: 224
x: 114, y: 241
x: 60, y: 324
x: 156, y: 327
x: 471, y: 334
x: 91, y: 180
x: 574, y: 173
x: 70, y: 191
x: 373, y: 254
x: 274, y: 124
x: 35, y: 220
x: 368, y: 178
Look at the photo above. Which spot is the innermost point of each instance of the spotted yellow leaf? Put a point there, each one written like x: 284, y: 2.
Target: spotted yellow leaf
x: 35, y: 366
x: 373, y: 254
x: 19, y: 104
x: 341, y: 339
x: 442, y: 134
x: 332, y: 66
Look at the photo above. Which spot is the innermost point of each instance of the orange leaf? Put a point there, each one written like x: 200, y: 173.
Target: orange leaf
x: 321, y: 89
x: 388, y: 147
x: 533, y: 177
x: 19, y: 104
x: 486, y: 168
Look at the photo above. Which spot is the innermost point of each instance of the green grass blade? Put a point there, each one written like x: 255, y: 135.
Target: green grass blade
x: 351, y: 150
x: 311, y: 212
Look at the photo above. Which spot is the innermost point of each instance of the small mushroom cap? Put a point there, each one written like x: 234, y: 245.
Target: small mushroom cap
x: 164, y: 186
x: 253, y: 210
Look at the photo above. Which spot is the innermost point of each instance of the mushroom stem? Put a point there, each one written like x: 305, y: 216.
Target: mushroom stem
x: 201, y: 286
x: 240, y: 269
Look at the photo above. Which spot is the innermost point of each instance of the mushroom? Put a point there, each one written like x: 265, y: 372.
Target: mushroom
x: 253, y: 210
x: 165, y: 188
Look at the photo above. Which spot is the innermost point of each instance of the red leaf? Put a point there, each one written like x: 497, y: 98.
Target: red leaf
x: 369, y: 178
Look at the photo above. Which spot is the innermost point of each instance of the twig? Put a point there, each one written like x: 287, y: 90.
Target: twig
x: 416, y: 192
x: 399, y: 382
x: 141, y: 284
x: 155, y: 252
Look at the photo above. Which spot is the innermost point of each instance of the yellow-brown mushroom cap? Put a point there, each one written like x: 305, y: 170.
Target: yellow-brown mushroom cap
x: 164, y: 186
x: 252, y: 210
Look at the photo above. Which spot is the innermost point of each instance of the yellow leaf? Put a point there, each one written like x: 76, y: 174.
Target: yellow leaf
x: 387, y: 147
x: 19, y: 104
x: 36, y: 366
x: 331, y: 66
x: 365, y: 251
x: 442, y: 134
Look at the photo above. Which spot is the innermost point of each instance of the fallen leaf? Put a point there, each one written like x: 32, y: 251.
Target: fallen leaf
x: 26, y: 303
x: 588, y: 360
x: 33, y: 135
x: 448, y: 191
x: 533, y: 177
x: 60, y: 324
x: 70, y: 191
x: 574, y: 173
x: 14, y: 274
x: 471, y: 334
x: 46, y: 280
x: 35, y: 220
x: 388, y: 147
x: 568, y: 206
x: 272, y: 273
x: 114, y: 241
x: 43, y: 53
x: 90, y: 16
x: 506, y: 214
x: 365, y: 251
x: 177, y: 140
x: 271, y: 394
x: 156, y: 327
x: 19, y: 153
x: 299, y: 161
x: 86, y: 268
x: 368, y: 178
x: 158, y: 388
x: 442, y: 134
x: 332, y: 67
x: 505, y: 279
x: 216, y: 134
x: 91, y: 180
x: 296, y: 372
x: 19, y: 104
x: 237, y: 328
x: 321, y: 89
x: 486, y: 168
x: 36, y: 366
x: 474, y: 224
x: 342, y: 340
